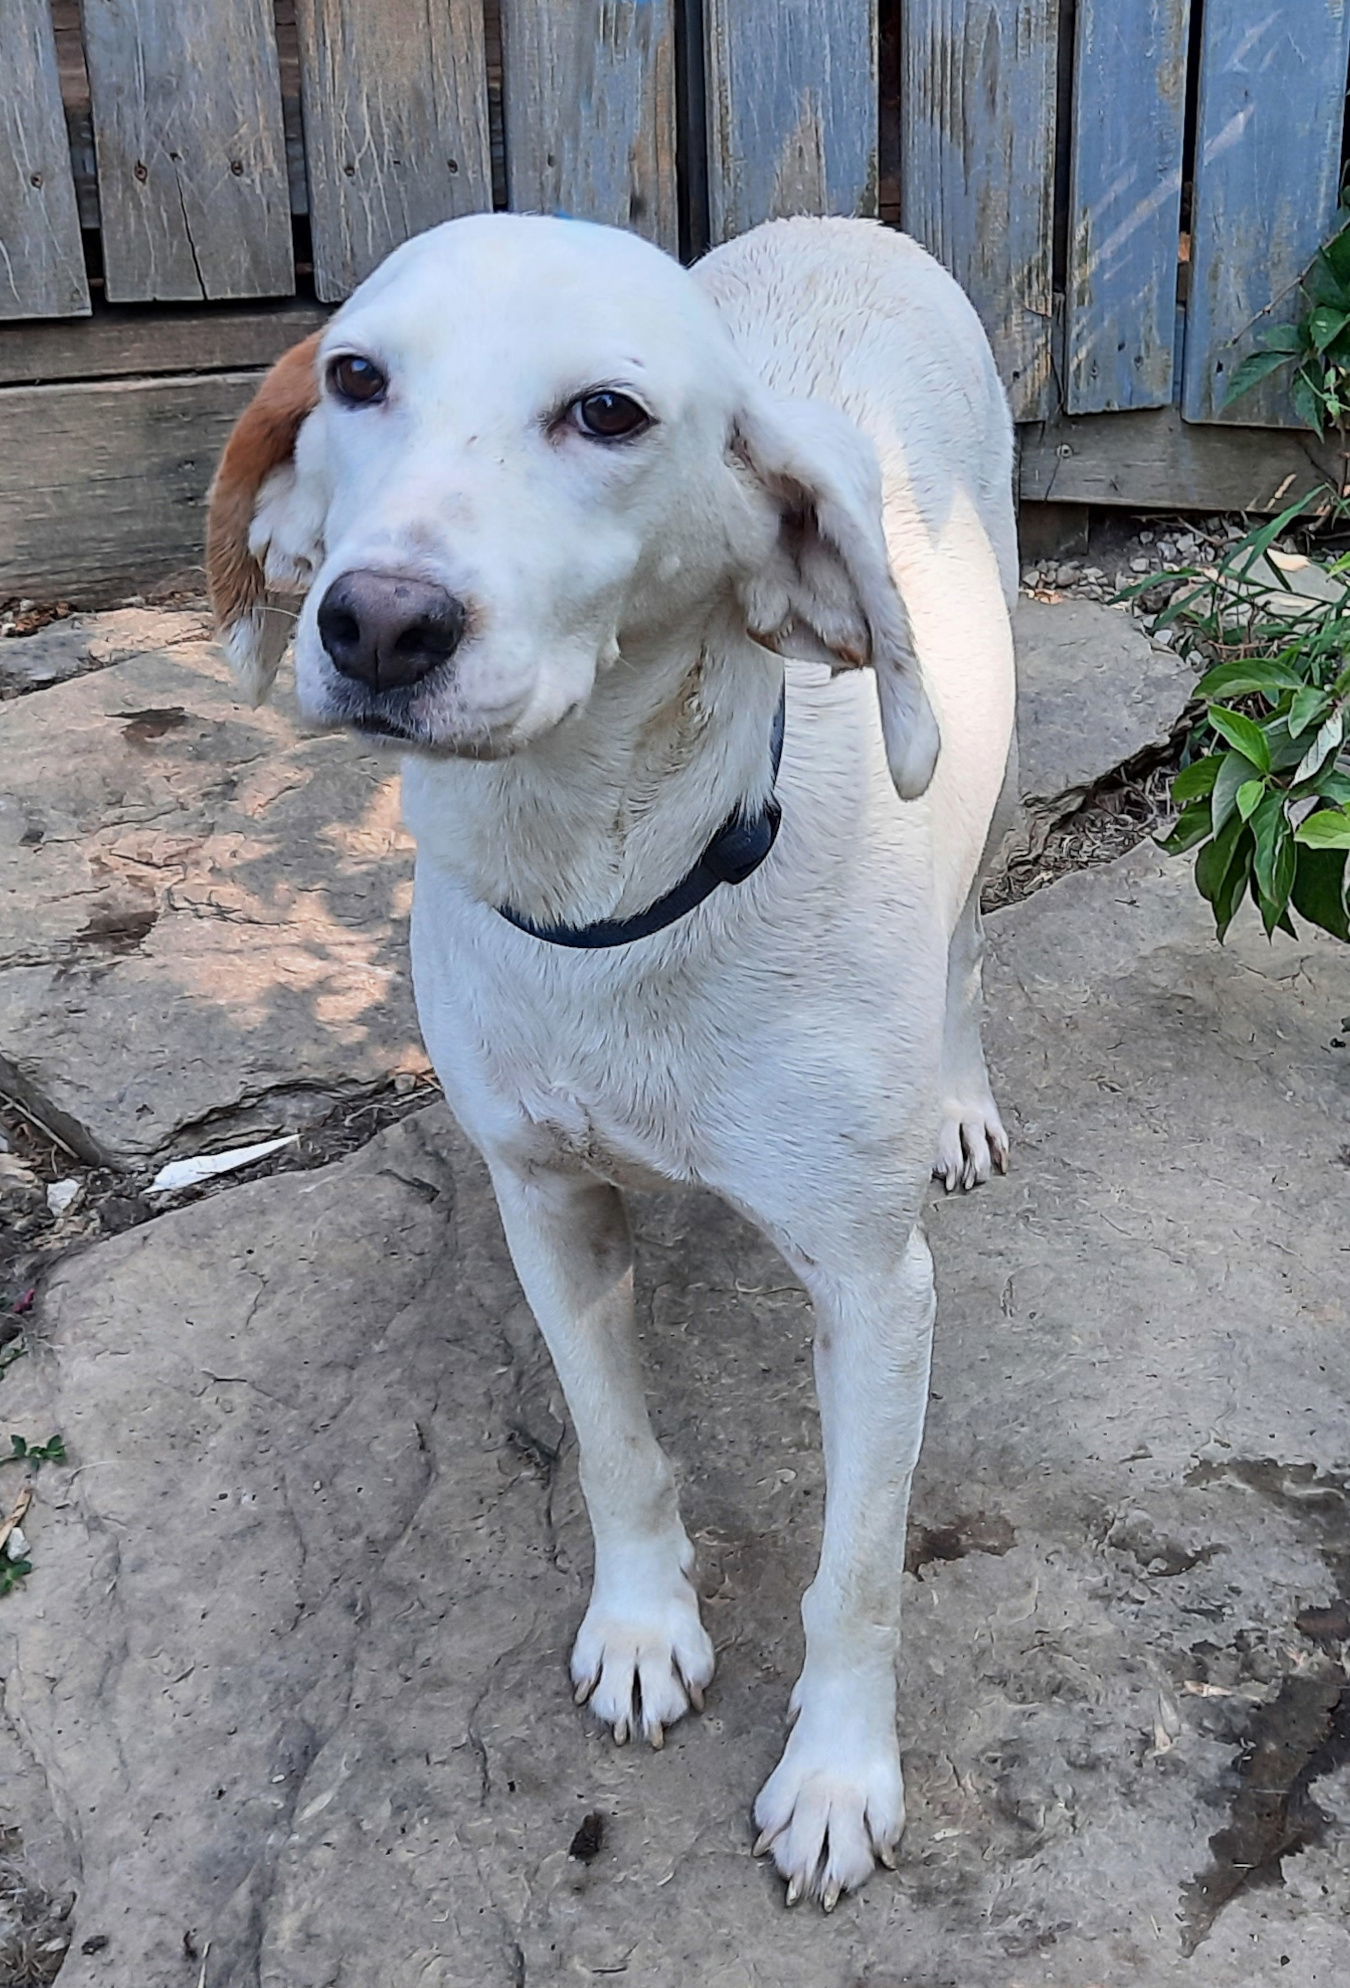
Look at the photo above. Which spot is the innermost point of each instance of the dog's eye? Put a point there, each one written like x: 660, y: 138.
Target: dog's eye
x: 356, y: 380
x: 609, y: 416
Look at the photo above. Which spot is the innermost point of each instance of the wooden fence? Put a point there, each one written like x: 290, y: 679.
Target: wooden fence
x: 1128, y: 189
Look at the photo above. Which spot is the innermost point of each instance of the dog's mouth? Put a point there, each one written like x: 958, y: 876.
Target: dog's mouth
x: 374, y: 726
x: 384, y: 728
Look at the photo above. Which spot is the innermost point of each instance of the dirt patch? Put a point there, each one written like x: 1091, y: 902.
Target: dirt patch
x: 1290, y: 1744
x: 978, y: 1532
x: 34, y: 1927
x: 118, y: 931
x: 37, y: 1227
x: 1294, y: 1737
x: 19, y: 617
x: 142, y: 727
x: 1123, y: 809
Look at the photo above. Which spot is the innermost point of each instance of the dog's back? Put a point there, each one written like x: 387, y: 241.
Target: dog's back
x: 858, y: 315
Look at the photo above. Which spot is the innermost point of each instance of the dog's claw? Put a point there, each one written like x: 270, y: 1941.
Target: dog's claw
x: 621, y: 1732
x: 794, y: 1890
x: 762, y: 1842
x: 829, y: 1898
x: 886, y: 1856
x: 695, y: 1696
x: 584, y: 1690
x: 657, y: 1737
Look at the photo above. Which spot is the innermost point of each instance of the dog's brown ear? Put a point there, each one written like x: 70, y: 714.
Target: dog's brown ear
x: 263, y: 524
x: 826, y: 592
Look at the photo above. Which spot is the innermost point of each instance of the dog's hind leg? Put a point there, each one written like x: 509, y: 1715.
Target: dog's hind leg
x: 642, y: 1656
x: 971, y: 1140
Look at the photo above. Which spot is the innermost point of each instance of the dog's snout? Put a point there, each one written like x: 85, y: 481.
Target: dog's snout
x: 386, y: 630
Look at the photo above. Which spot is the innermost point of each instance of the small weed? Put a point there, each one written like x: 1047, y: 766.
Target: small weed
x: 22, y: 1451
x: 12, y: 1572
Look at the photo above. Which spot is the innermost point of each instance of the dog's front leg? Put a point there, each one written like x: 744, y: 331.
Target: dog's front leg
x: 642, y: 1656
x: 836, y: 1799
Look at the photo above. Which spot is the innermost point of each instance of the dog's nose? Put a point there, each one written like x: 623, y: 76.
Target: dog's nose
x: 386, y: 630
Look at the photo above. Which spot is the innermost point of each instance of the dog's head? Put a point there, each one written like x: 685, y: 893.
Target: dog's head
x: 523, y: 449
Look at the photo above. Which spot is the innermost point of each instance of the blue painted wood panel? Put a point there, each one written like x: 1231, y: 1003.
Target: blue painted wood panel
x: 396, y: 126
x: 1129, y: 113
x: 41, y: 255
x: 977, y: 168
x: 1267, y: 173
x: 185, y: 97
x: 588, y: 97
x: 792, y: 110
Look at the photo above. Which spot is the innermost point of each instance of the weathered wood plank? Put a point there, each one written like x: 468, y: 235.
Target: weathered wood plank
x: 396, y: 126
x: 41, y: 255
x: 792, y: 110
x: 589, y: 111
x: 116, y: 343
x: 102, y: 487
x: 978, y: 166
x: 1124, y: 203
x: 191, y: 154
x: 1267, y: 174
x: 1151, y: 460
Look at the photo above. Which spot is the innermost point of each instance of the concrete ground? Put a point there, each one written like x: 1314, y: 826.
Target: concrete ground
x: 285, y: 1694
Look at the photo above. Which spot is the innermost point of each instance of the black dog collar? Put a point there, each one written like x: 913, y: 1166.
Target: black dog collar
x: 735, y: 853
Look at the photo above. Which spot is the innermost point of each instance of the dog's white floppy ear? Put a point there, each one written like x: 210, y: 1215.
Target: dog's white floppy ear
x: 265, y: 518
x: 826, y: 592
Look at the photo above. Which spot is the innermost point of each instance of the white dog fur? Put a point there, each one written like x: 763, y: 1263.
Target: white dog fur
x: 827, y: 477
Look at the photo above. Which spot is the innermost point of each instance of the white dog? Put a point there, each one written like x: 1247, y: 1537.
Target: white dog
x: 562, y: 509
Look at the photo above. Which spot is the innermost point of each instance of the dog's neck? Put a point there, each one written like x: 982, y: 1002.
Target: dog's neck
x: 606, y: 814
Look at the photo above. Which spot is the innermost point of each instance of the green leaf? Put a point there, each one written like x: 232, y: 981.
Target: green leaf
x: 1306, y: 709
x: 1242, y: 732
x: 1328, y: 280
x: 1335, y: 787
x: 1222, y: 869
x: 1285, y: 338
x: 1273, y: 867
x: 1249, y: 796
x: 1319, y: 890
x: 1257, y: 366
x: 1326, y: 322
x: 1257, y: 676
x: 1193, y: 826
x: 1307, y: 405
x: 1235, y: 772
x: 1284, y: 751
x: 1196, y: 780
x: 1329, y: 828
x: 1327, y: 741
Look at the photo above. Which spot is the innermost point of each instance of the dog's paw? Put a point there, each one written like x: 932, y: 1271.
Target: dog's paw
x: 830, y: 1812
x: 642, y: 1660
x: 971, y: 1142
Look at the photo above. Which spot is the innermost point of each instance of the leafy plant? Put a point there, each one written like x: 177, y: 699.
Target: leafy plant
x: 22, y: 1451
x: 1264, y: 790
x: 12, y: 1572
x: 1316, y: 346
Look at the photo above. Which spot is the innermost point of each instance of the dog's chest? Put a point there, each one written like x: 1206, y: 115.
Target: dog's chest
x: 562, y: 1131
x: 561, y: 1075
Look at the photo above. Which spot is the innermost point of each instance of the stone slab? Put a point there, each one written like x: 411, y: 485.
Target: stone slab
x: 200, y: 905
x: 80, y: 643
x: 1092, y: 691
x: 289, y: 1675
